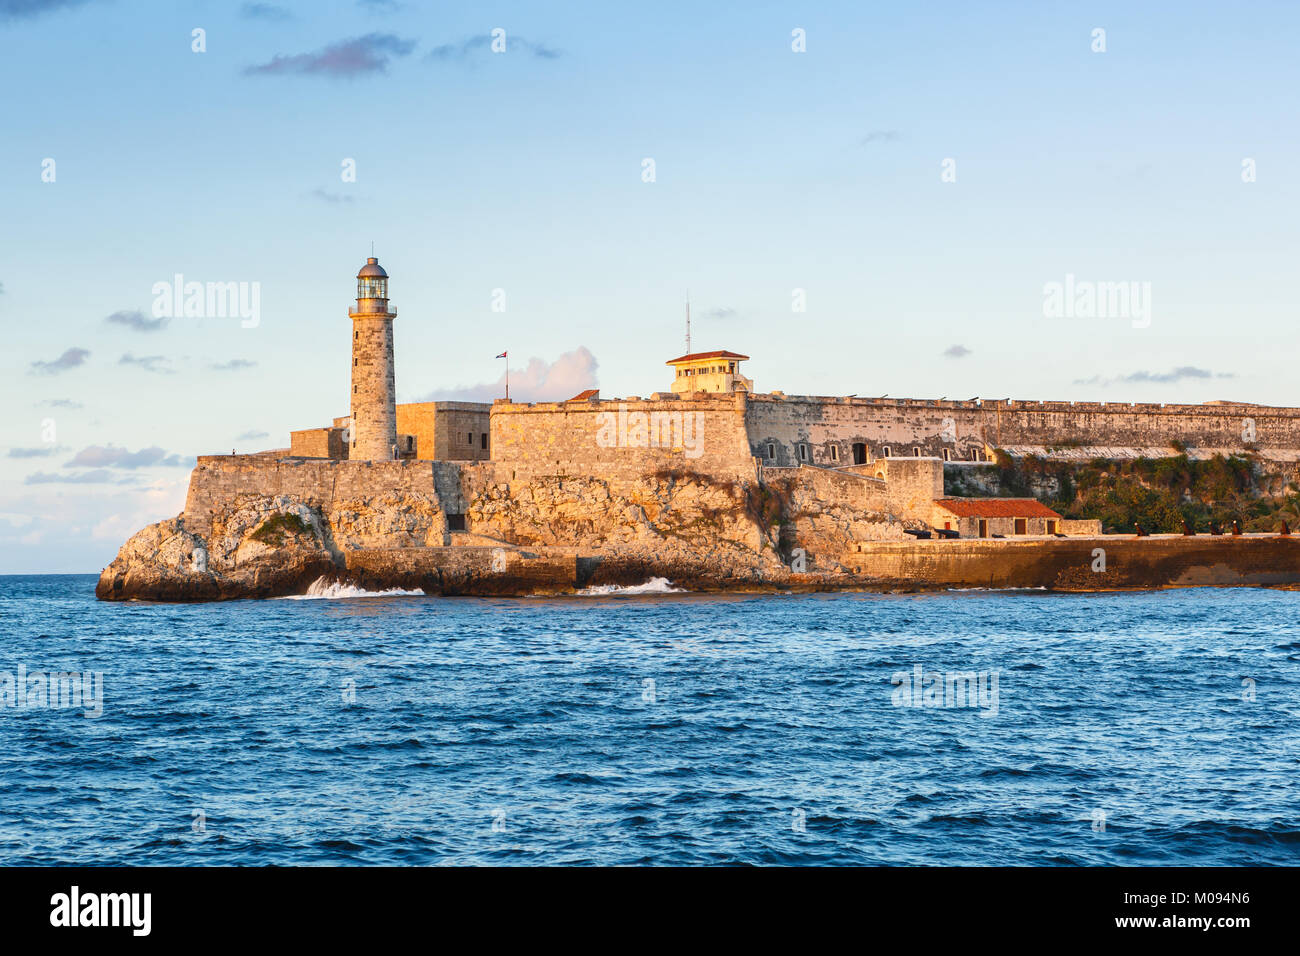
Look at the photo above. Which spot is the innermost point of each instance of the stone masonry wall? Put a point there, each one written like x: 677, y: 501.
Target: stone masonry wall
x: 218, y: 479
x: 626, y: 439
x: 962, y: 430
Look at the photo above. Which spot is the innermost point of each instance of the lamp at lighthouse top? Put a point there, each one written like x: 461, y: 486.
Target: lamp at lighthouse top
x: 372, y: 288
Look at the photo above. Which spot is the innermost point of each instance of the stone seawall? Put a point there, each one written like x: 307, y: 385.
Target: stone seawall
x: 1086, y: 564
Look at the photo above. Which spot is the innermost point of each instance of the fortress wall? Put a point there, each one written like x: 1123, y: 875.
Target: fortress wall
x: 965, y: 427
x: 218, y: 479
x: 621, y: 439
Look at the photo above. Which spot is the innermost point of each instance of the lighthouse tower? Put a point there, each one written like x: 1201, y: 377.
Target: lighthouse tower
x: 374, y: 400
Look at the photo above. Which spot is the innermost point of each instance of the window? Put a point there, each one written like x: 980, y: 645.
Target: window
x: 947, y: 454
x: 354, y: 363
x: 803, y: 452
x: 886, y: 452
x: 1051, y: 526
x: 835, y: 452
x: 859, y: 453
x: 469, y: 438
x: 1022, y: 526
x: 983, y: 528
x: 771, y: 452
x: 916, y: 451
x: 484, y: 437
x: 455, y: 522
x: 974, y: 454
x: 354, y: 389
x: 410, y: 442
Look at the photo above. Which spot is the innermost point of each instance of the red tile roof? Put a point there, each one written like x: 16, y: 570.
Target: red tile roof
x: 583, y: 396
x: 721, y: 353
x: 996, y: 508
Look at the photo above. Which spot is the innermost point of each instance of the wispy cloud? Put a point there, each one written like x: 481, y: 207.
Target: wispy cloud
x: 234, y: 365
x: 264, y: 11
x: 137, y: 321
x: 72, y: 358
x: 880, y: 136
x: 113, y: 456
x: 252, y: 436
x: 23, y: 9
x: 60, y: 403
x: 540, y: 381
x: 99, y: 476
x: 722, y: 312
x: 150, y: 363
x: 356, y: 57
x: 1180, y: 374
x: 324, y: 195
x: 449, y: 52
x: 956, y: 351
x: 43, y: 452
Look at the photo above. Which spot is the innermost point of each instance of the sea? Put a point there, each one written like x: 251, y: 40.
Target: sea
x: 650, y: 726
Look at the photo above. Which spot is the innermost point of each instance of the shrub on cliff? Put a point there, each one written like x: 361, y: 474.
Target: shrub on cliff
x: 273, y: 530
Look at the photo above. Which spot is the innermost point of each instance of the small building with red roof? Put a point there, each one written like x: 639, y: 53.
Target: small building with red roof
x: 985, y: 517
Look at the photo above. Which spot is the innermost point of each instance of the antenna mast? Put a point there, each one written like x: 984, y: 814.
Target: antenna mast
x: 688, y: 323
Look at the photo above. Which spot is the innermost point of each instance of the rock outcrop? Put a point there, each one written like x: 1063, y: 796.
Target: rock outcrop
x: 545, y: 533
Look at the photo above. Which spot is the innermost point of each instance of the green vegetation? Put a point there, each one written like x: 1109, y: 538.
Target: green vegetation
x: 273, y: 530
x: 1157, y: 493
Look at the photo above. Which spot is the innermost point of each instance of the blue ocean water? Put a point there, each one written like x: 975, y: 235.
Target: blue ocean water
x: 1150, y: 728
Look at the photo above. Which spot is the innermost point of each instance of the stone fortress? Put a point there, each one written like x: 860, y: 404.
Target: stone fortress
x: 731, y: 429
x: 709, y: 483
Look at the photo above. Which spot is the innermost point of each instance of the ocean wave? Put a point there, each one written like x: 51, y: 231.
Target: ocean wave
x: 653, y: 586
x: 322, y: 588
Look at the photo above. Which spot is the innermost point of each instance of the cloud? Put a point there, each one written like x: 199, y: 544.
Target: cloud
x: 264, y: 11
x: 956, y: 351
x: 448, y: 52
x: 541, y: 381
x: 44, y: 452
x: 723, y: 312
x: 252, y: 436
x: 234, y: 365
x: 19, y: 9
x: 112, y: 456
x: 324, y: 195
x: 150, y: 363
x: 137, y: 321
x: 880, y: 136
x: 97, y: 477
x: 360, y: 55
x: 70, y: 359
x: 61, y: 403
x: 1182, y: 373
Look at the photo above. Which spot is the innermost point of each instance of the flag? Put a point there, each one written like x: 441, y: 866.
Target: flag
x: 503, y: 355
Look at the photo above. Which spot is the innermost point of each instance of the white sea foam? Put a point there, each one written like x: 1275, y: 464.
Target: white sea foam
x: 321, y: 588
x: 653, y: 586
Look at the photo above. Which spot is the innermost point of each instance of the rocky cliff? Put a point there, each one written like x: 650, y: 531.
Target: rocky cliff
x: 540, y: 533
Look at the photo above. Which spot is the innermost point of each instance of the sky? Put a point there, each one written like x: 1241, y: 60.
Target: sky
x: 865, y: 198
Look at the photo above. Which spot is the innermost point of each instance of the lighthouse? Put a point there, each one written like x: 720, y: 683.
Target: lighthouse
x: 374, y: 399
